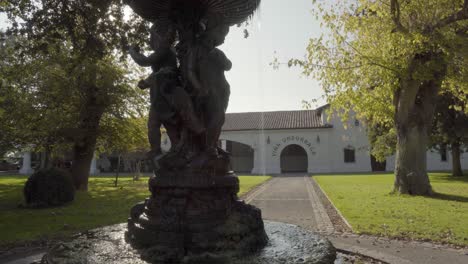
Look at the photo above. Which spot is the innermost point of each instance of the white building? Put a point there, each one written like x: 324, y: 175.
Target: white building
x: 291, y: 141
x: 304, y: 141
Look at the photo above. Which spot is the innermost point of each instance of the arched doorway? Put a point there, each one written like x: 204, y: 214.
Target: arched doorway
x: 294, y: 159
x: 242, y: 156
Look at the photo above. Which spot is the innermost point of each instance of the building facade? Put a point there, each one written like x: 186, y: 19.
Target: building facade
x: 305, y: 141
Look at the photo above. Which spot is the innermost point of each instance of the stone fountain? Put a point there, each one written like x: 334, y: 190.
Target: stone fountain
x: 193, y: 214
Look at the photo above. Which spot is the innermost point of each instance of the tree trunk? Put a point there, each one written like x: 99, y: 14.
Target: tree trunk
x: 410, y: 163
x: 44, y: 158
x: 46, y: 161
x: 414, y: 110
x: 117, y: 172
x: 456, y: 164
x: 413, y: 119
x: 85, y: 143
x: 83, y: 153
x: 137, y: 171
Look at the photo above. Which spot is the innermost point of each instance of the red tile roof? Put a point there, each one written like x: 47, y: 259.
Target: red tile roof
x: 274, y: 120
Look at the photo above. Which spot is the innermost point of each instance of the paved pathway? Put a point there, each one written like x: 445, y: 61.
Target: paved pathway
x: 293, y: 199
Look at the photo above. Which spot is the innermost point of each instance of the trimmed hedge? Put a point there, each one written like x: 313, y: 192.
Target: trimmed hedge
x: 49, y: 187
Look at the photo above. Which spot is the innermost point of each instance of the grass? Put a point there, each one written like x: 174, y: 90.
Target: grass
x: 102, y: 205
x: 366, y: 202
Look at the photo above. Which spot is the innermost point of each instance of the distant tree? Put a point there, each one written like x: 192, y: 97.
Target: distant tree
x: 124, y: 134
x: 388, y: 60
x: 18, y: 98
x: 126, y: 137
x: 42, y: 108
x: 382, y: 139
x: 94, y: 33
x: 5, y: 50
x: 450, y: 127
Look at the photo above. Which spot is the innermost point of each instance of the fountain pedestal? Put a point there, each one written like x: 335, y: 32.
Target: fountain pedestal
x: 195, y: 217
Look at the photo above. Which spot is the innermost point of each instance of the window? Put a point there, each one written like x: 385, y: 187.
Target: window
x: 349, y: 155
x: 356, y: 122
x: 443, y: 153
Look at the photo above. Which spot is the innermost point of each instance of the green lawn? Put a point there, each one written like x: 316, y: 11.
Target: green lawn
x: 102, y: 205
x: 366, y: 202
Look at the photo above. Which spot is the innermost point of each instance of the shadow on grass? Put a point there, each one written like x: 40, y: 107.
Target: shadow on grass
x: 450, y: 179
x: 449, y: 197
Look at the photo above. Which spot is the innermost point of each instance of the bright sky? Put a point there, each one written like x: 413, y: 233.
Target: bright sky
x: 280, y: 26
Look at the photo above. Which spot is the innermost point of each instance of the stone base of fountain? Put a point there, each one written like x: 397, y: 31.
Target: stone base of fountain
x: 195, y: 216
x: 287, y: 244
x: 194, y: 219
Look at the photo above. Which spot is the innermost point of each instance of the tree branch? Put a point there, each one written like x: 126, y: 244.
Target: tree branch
x: 462, y: 32
x: 369, y: 59
x: 396, y: 15
x: 458, y: 16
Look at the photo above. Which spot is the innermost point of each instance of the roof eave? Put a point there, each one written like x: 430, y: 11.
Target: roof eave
x: 272, y: 129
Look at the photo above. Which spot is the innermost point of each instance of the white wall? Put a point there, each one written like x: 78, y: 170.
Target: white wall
x: 344, y: 135
x: 324, y: 148
x: 434, y: 162
x: 324, y: 155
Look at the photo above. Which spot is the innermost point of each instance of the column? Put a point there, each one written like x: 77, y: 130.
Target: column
x: 223, y: 145
x: 259, y: 160
x: 93, y: 170
x: 26, y: 168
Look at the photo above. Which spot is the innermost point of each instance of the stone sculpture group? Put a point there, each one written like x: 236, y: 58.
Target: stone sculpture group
x: 193, y: 211
x: 193, y: 214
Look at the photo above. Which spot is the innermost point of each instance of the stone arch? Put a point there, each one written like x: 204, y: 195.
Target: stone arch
x: 294, y: 158
x: 242, y: 156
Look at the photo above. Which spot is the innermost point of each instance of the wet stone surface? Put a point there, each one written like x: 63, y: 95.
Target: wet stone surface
x: 287, y: 244
x: 291, y: 244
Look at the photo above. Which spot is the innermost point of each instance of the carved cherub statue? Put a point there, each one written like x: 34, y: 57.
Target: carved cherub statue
x: 207, y: 39
x: 161, y: 42
x: 161, y: 58
x: 205, y: 68
x: 171, y: 106
x: 212, y: 70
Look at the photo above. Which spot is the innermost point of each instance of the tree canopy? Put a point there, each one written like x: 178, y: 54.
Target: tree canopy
x: 84, y: 75
x: 387, y: 61
x: 450, y: 128
x: 364, y: 54
x: 42, y: 103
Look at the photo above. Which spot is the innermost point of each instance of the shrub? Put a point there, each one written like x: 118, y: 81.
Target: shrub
x: 49, y: 187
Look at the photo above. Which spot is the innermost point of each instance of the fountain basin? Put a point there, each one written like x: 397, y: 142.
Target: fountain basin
x: 287, y: 244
